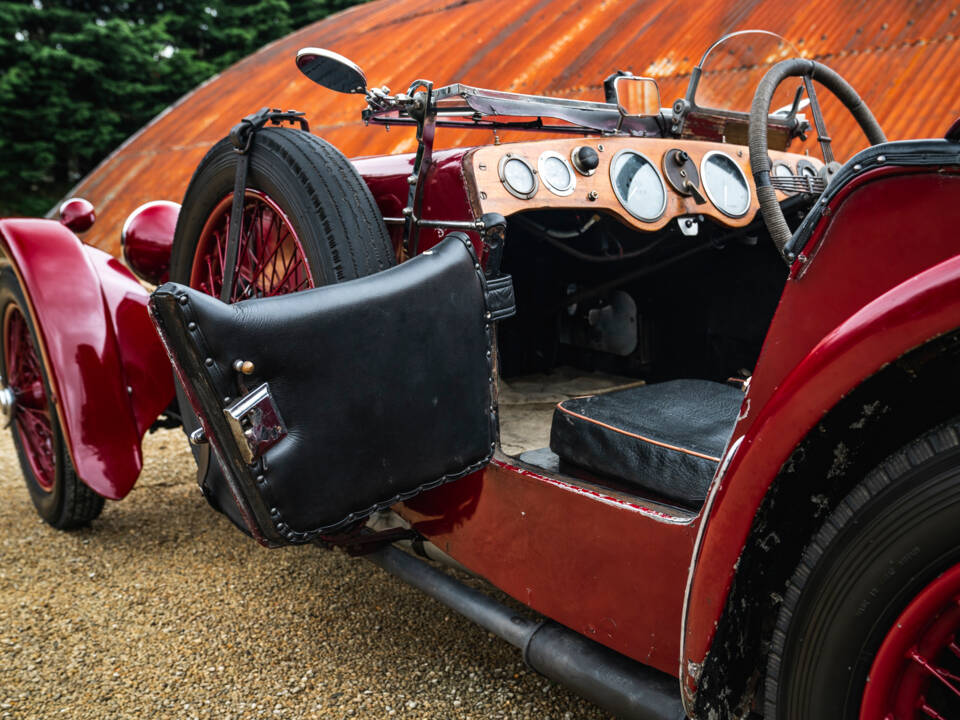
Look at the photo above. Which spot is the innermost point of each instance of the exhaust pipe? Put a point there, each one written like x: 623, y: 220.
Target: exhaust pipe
x: 604, y: 677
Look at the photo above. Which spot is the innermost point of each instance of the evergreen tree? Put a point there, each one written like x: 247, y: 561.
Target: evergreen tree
x: 77, y: 78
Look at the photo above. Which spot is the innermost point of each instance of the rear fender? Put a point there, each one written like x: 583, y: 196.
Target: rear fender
x: 907, y: 316
x: 109, y: 374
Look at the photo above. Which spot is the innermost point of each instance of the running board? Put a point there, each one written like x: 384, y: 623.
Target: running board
x: 604, y: 677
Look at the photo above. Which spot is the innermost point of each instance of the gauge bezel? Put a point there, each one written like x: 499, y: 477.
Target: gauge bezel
x: 706, y: 186
x: 562, y: 192
x: 804, y: 163
x: 656, y: 170
x: 510, y: 189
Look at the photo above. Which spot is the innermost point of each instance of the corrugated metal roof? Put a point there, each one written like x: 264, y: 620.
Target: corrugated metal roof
x: 898, y: 54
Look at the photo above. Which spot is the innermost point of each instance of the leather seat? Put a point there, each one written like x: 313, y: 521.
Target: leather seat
x: 666, y: 439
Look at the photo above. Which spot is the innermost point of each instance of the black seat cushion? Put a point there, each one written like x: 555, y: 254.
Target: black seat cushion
x: 666, y: 439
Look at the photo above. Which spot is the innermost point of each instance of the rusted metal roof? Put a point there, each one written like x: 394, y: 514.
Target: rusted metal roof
x: 898, y: 54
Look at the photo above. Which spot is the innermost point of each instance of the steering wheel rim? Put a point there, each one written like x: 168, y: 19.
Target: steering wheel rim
x: 759, y: 112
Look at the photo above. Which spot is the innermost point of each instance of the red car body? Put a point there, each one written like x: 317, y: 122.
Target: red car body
x: 863, y: 299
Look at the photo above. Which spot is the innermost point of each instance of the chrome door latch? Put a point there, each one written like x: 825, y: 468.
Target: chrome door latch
x: 255, y: 423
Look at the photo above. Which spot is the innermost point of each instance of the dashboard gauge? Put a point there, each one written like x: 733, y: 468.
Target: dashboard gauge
x: 725, y: 183
x: 638, y: 185
x: 518, y: 176
x: 556, y: 173
x: 782, y: 170
x: 806, y: 169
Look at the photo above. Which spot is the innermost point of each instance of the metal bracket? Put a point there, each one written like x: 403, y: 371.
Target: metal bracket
x: 426, y: 129
x: 361, y: 541
x: 819, y: 124
x: 255, y: 423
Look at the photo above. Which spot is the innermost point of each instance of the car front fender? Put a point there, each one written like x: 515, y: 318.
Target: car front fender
x: 109, y: 375
x: 905, y: 317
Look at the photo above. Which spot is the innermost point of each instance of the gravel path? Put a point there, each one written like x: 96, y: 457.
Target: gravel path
x: 163, y: 609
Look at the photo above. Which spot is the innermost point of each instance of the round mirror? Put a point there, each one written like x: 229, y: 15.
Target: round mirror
x: 331, y: 70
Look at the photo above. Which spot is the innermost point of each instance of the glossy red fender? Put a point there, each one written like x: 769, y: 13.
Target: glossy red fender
x: 885, y: 296
x: 109, y: 374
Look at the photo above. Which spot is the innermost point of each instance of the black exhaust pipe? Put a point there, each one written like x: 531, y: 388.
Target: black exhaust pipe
x: 604, y: 677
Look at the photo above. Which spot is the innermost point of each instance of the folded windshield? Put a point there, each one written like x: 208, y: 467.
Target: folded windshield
x: 731, y: 69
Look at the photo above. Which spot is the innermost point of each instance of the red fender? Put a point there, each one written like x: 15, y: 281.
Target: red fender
x: 897, y: 321
x: 109, y: 374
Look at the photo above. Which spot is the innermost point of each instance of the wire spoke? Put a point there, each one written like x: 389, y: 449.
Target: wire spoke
x: 943, y: 676
x: 930, y: 712
x: 270, y: 259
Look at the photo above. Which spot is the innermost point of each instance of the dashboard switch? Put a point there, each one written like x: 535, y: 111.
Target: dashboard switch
x: 585, y: 159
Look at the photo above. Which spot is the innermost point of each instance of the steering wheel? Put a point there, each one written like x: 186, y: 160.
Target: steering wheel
x: 759, y: 111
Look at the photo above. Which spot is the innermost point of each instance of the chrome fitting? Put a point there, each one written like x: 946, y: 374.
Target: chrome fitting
x: 8, y: 400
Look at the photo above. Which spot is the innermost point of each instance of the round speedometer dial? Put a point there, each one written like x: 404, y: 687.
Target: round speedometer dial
x: 725, y: 183
x: 638, y: 185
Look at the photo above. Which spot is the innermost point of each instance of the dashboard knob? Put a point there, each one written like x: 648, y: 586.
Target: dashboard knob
x: 585, y: 159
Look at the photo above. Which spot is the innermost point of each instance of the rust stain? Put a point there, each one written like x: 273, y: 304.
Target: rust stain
x: 898, y: 54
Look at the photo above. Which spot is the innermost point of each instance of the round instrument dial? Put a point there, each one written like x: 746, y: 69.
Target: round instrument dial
x: 556, y: 173
x: 806, y: 169
x: 782, y: 170
x: 518, y: 177
x: 638, y: 185
x: 725, y: 183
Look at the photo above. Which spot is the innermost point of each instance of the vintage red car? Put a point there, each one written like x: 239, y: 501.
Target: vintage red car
x: 755, y: 509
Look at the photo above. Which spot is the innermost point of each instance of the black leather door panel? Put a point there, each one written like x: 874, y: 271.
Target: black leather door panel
x: 382, y: 386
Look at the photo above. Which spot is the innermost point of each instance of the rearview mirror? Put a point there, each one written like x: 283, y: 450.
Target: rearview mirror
x: 637, y: 95
x: 331, y: 70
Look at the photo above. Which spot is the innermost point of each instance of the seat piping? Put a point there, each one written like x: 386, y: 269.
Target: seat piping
x: 638, y: 437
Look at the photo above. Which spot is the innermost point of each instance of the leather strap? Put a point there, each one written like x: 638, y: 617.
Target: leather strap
x: 242, y: 135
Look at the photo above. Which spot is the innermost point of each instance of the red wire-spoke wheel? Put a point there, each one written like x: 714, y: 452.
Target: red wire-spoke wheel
x: 61, y: 498
x: 916, y: 672
x: 270, y: 256
x: 29, y: 410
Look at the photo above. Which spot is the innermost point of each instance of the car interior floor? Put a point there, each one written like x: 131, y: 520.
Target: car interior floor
x: 527, y: 403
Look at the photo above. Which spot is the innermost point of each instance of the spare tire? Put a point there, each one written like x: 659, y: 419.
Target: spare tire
x: 309, y: 219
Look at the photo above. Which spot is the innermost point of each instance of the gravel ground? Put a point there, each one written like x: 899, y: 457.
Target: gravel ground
x: 162, y: 609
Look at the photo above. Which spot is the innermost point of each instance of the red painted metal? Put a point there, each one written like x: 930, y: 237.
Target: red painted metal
x: 270, y: 259
x: 445, y: 191
x: 107, y: 369
x: 918, y: 657
x: 868, y: 295
x: 31, y: 411
x: 147, y: 239
x: 77, y: 214
x: 603, y: 565
x: 142, y: 357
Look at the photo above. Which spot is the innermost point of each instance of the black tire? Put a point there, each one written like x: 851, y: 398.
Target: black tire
x: 327, y: 202
x: 69, y: 503
x: 886, y: 541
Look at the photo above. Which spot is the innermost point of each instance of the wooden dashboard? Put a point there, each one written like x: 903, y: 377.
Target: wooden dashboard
x: 596, y: 190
